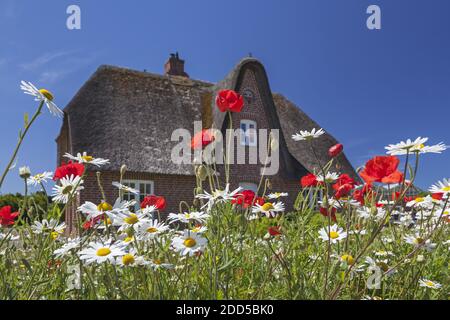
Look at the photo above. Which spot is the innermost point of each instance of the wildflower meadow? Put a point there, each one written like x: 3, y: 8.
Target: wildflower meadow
x: 344, y: 239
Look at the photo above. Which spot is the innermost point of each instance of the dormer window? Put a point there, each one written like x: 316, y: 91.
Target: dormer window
x: 248, y: 134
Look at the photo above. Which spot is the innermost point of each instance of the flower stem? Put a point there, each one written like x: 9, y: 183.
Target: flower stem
x: 19, y: 143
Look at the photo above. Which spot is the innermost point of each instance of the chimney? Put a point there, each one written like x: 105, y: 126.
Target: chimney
x: 175, y: 66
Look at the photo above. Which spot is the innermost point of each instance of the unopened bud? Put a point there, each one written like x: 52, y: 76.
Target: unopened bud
x: 24, y: 172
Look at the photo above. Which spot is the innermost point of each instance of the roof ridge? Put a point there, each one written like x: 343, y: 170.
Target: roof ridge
x: 148, y: 74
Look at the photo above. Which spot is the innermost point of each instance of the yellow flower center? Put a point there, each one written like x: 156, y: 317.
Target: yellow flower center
x: 267, y: 206
x: 429, y: 283
x: 446, y: 189
x: 334, y: 235
x: 189, y: 242
x: 104, y: 206
x: 87, y: 158
x: 54, y: 235
x: 67, y: 190
x: 128, y: 259
x: 103, y: 252
x: 132, y: 219
x: 128, y: 239
x: 157, y: 261
x: 348, y: 259
x: 420, y: 199
x: 187, y: 215
x: 47, y: 94
x: 152, y: 230
x: 419, y: 240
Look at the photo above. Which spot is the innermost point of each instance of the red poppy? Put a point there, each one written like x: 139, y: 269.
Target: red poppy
x: 343, y: 185
x: 395, y: 195
x: 229, y: 100
x: 382, y: 169
x: 202, y: 139
x: 6, y: 217
x: 335, y: 150
x: 437, y: 196
x: 247, y: 198
x: 330, y: 212
x: 359, y: 195
x: 309, y: 180
x: 343, y: 191
x: 274, y: 231
x: 157, y: 201
x: 76, y: 169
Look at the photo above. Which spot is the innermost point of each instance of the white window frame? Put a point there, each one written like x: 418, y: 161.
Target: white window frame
x: 249, y: 186
x: 249, y: 136
x: 137, y: 186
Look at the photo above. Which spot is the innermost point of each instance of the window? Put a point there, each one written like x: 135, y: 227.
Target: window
x: 248, y: 136
x: 145, y: 189
x: 249, y: 186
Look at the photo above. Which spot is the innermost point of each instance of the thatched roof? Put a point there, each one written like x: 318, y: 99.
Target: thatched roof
x: 128, y: 117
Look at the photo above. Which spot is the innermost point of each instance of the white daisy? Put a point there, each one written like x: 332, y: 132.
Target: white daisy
x: 189, y: 243
x: 199, y: 217
x: 151, y: 229
x: 41, y: 95
x: 437, y: 148
x: 92, y: 211
x: 417, y: 240
x: 441, y: 187
x: 330, y: 177
x: 70, y: 245
x: 421, y: 202
x: 383, y: 253
x: 52, y: 227
x: 39, y: 178
x: 87, y: 159
x: 308, y: 135
x: 158, y: 264
x: 277, y: 195
x: 131, y: 259
x: 404, y: 147
x: 429, y: 284
x: 268, y: 209
x: 126, y: 219
x: 218, y: 196
x: 335, y: 235
x: 100, y: 253
x: 62, y: 193
x: 199, y: 229
x: 125, y: 188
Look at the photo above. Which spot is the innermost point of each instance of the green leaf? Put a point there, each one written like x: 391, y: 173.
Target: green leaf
x: 26, y: 119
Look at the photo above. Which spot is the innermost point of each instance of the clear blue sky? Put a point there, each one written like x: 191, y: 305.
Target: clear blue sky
x: 367, y: 88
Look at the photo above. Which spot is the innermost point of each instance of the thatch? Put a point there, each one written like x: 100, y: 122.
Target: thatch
x: 128, y: 117
x: 293, y: 119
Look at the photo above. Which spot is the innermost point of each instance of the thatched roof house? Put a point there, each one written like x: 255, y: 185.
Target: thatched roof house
x: 128, y: 116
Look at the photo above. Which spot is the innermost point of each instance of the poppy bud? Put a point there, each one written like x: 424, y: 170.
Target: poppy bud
x: 335, y: 150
